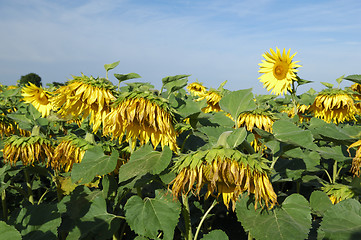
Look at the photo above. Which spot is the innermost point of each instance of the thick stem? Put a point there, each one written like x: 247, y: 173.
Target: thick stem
x: 187, y: 218
x: 204, y: 218
x: 4, y: 206
x: 334, y: 174
x: 29, y: 187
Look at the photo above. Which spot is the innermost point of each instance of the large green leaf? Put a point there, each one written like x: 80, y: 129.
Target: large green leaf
x: 145, y: 160
x: 237, y: 137
x: 291, y: 220
x: 237, y: 102
x: 191, y: 107
x: 94, y: 163
x: 213, y: 133
x: 320, y: 202
x: 124, y: 77
x: 331, y: 131
x: 342, y: 221
x: 288, y: 132
x: 149, y: 215
x: 9, y: 232
x: 354, y: 78
x: 39, y: 221
x: 215, y: 235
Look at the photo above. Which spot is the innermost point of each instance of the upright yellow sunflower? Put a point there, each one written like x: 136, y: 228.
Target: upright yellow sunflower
x: 334, y: 105
x: 197, y: 89
x: 38, y: 97
x: 141, y: 116
x: 27, y: 149
x: 259, y: 119
x: 84, y: 96
x: 278, y: 71
x: 70, y: 150
x: 227, y: 172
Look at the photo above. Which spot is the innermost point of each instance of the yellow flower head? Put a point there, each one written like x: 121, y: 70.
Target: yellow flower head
x: 356, y: 161
x: 84, y: 96
x: 70, y: 150
x: 38, y: 97
x: 143, y: 117
x: 334, y: 105
x: 278, y: 71
x: 301, y: 111
x: 225, y: 171
x: 338, y: 192
x: 213, y: 97
x: 197, y: 89
x: 27, y: 149
x: 258, y: 119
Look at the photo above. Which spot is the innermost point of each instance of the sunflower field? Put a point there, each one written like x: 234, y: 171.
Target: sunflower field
x: 88, y: 159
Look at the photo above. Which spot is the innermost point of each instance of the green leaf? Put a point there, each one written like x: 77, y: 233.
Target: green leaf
x: 237, y: 102
x: 342, y: 221
x: 338, y: 153
x: 9, y: 232
x: 148, y: 216
x: 320, y: 203
x: 214, y: 133
x: 340, y: 79
x: 215, y: 235
x: 237, y: 137
x: 330, y: 130
x: 328, y: 85
x: 287, y: 132
x: 39, y: 221
x: 354, y: 78
x: 303, y: 81
x: 94, y: 163
x: 145, y: 160
x: 170, y: 79
x: 111, y: 66
x: 292, y: 220
x: 191, y: 107
x: 175, y: 85
x: 124, y: 77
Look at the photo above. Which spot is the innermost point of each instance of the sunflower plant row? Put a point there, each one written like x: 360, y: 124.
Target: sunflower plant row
x: 87, y: 159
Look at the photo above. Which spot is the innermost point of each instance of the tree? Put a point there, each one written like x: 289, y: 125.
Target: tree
x: 30, y: 78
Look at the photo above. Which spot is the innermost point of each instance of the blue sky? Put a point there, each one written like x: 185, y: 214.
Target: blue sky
x: 213, y: 40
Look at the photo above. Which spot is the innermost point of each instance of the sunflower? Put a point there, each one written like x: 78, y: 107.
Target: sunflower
x: 84, y: 96
x: 279, y: 71
x: 338, y: 192
x: 356, y: 161
x: 213, y: 97
x: 27, y: 149
x: 9, y: 127
x: 70, y: 150
x: 227, y: 172
x: 301, y: 111
x: 259, y: 119
x: 197, y: 89
x: 141, y: 116
x: 334, y: 105
x: 38, y: 97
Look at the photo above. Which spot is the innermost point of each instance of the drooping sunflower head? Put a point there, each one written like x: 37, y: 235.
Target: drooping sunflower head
x: 70, y: 150
x: 197, y: 89
x: 84, y: 96
x: 226, y: 172
x: 338, y: 192
x: 144, y: 117
x: 38, y: 97
x: 278, y: 71
x: 29, y: 150
x: 356, y: 161
x: 213, y: 97
x: 302, y: 110
x: 334, y: 105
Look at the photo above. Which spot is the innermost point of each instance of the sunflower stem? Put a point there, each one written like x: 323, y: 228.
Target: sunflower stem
x: 4, y: 206
x: 204, y: 218
x: 28, y: 185
x: 187, y: 218
x: 334, y: 174
x: 249, y: 236
x: 274, y: 160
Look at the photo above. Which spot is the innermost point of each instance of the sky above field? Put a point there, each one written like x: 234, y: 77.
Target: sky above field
x: 211, y: 40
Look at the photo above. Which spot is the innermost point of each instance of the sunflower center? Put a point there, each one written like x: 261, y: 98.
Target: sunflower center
x: 280, y: 70
x: 42, y: 98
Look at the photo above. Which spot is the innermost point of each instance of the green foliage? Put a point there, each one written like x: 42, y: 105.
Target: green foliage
x: 30, y: 78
